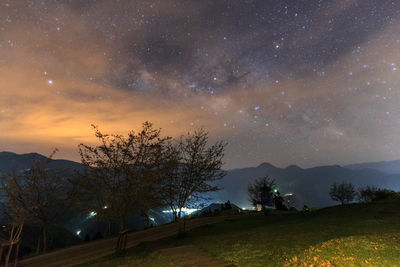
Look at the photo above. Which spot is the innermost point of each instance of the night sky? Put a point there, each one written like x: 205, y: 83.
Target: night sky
x: 285, y: 82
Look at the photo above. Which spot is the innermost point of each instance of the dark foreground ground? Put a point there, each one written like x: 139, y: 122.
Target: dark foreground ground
x: 93, y: 250
x: 350, y: 235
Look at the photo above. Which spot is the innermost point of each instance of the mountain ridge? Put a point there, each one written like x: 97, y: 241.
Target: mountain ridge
x: 391, y: 166
x: 309, y: 185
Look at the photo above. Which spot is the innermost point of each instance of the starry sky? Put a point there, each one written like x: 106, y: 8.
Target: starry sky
x: 287, y: 82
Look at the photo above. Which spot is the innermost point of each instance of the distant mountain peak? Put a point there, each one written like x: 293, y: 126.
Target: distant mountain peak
x: 266, y: 165
x: 293, y: 167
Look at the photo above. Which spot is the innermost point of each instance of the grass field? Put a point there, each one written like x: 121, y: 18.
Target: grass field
x: 350, y: 235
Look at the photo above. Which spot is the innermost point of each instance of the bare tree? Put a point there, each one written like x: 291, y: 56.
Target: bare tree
x: 30, y: 195
x: 121, y: 175
x: 343, y: 192
x: 194, y: 166
x: 367, y: 194
x: 16, y: 213
x: 260, y: 192
x: 49, y: 191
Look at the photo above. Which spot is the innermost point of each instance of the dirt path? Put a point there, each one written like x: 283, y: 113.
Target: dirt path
x: 93, y: 250
x: 190, y: 256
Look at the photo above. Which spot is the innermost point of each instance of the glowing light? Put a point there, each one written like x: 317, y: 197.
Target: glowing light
x: 92, y: 214
x: 78, y: 232
x: 50, y: 81
x: 185, y: 210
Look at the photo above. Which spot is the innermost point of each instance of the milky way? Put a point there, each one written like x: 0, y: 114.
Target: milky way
x: 288, y: 82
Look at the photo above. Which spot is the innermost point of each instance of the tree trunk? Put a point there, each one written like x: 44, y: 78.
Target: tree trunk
x: 125, y: 239
x: 175, y: 217
x: 1, y: 251
x: 122, y: 237
x: 44, y: 239
x: 16, y: 255
x: 109, y: 228
x: 38, y: 244
x: 148, y: 220
x: 179, y: 218
x: 8, y: 254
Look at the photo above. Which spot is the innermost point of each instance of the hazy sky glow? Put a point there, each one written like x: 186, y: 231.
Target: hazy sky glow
x: 287, y: 82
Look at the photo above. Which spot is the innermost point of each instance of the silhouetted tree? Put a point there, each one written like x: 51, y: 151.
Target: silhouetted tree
x: 279, y: 201
x: 367, y: 194
x: 195, y: 166
x: 343, y: 192
x: 50, y: 193
x: 122, y: 175
x: 260, y: 192
x: 227, y: 205
x: 16, y: 211
x: 34, y: 195
x: 289, y: 201
x: 382, y: 194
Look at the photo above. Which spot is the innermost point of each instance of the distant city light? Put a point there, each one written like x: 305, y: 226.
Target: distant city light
x: 92, y: 214
x: 185, y: 210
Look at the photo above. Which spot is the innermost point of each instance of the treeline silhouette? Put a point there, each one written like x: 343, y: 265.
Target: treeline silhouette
x: 346, y: 193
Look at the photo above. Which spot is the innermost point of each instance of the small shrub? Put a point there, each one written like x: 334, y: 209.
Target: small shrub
x: 306, y: 209
x: 292, y: 209
x: 382, y: 194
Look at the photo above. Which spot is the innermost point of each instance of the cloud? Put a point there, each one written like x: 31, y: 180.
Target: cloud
x: 320, y: 75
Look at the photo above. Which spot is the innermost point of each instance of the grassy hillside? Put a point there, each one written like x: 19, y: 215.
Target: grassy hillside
x: 351, y: 235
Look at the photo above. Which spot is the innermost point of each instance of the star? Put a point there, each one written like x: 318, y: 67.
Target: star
x: 242, y: 65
